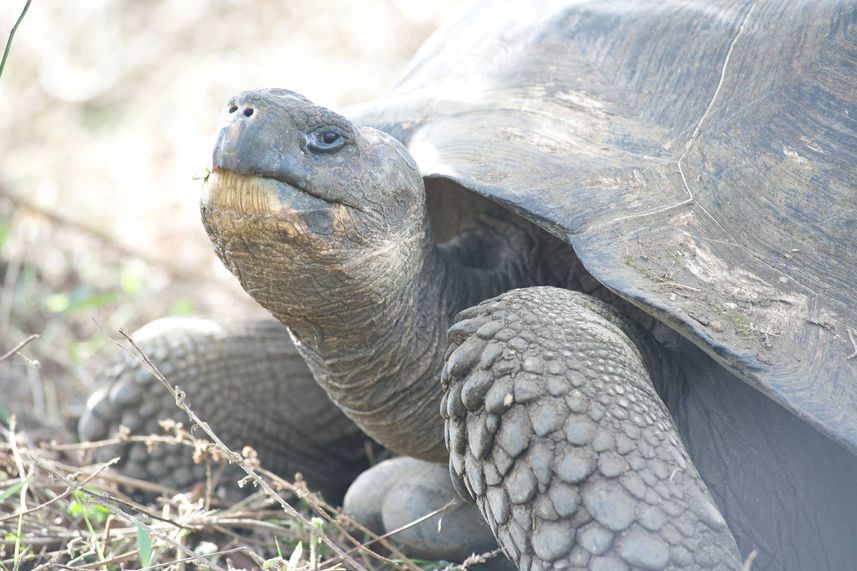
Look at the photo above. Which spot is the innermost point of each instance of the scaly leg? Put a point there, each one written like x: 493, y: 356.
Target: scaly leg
x: 555, y: 429
x: 248, y: 382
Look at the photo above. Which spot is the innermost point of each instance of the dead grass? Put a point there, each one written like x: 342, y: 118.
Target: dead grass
x: 59, y: 509
x: 99, y: 231
x: 64, y: 512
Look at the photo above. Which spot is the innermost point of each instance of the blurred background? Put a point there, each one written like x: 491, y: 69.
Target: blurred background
x: 109, y: 109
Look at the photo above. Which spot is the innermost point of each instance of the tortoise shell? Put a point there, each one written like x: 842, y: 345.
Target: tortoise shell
x: 699, y: 156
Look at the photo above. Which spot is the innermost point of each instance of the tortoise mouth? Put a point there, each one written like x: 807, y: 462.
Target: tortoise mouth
x: 228, y: 190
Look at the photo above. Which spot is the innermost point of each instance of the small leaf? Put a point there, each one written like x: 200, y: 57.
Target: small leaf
x: 144, y: 546
x: 5, y: 227
x: 11, y: 490
x: 205, y: 549
x: 296, y: 556
x: 131, y: 280
x: 203, y: 175
x: 182, y: 307
x: 57, y: 303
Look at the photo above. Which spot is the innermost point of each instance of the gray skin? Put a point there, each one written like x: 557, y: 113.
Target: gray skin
x: 248, y: 382
x: 547, y: 399
x: 397, y: 492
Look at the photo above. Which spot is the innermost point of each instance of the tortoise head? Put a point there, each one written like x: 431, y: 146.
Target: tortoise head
x: 301, y: 202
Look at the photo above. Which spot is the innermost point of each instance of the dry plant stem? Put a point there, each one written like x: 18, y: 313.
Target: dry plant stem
x: 94, y: 444
x: 106, y: 537
x: 853, y: 344
x: 105, y: 497
x: 18, y: 347
x: 185, y: 560
x: 25, y: 479
x: 324, y: 510
x: 748, y: 563
x: 234, y: 456
x: 8, y: 563
x: 417, y: 521
x: 67, y: 491
x: 117, y: 559
x: 12, y: 35
x: 474, y: 560
x: 209, y: 485
x: 37, y: 541
x: 108, y: 503
x: 50, y: 564
x: 319, y: 506
x: 7, y: 296
x: 114, y: 476
x: 135, y: 483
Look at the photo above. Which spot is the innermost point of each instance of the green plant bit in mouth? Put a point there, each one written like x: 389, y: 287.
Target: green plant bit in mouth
x: 227, y: 190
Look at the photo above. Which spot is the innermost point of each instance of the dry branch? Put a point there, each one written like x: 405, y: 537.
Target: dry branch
x: 233, y: 456
x: 18, y: 347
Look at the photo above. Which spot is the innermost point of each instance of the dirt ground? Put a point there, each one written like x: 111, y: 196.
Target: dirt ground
x: 110, y: 108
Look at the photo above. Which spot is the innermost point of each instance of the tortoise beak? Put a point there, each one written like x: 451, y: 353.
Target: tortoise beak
x: 253, y: 139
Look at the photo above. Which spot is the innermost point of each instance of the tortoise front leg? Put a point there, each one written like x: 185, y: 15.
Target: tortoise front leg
x: 247, y: 380
x: 555, y: 429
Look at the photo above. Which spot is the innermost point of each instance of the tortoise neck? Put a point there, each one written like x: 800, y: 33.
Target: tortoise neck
x: 381, y: 364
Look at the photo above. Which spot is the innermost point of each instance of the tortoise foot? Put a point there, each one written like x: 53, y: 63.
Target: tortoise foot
x: 129, y: 399
x: 247, y: 381
x: 396, y: 492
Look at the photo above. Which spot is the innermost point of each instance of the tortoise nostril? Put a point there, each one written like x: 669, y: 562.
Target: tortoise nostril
x: 248, y: 111
x: 233, y: 108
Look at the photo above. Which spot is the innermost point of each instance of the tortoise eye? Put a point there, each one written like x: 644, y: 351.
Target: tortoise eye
x: 326, y: 140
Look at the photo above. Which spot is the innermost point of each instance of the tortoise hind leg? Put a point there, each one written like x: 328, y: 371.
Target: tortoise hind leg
x: 556, y: 431
x: 247, y: 380
x: 391, y: 495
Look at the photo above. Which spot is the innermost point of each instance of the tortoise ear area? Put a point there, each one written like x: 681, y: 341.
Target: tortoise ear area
x: 395, y: 162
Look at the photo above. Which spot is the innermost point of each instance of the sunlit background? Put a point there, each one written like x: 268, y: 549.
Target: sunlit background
x: 109, y: 109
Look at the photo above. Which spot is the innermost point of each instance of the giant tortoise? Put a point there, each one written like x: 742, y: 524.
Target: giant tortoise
x: 599, y: 256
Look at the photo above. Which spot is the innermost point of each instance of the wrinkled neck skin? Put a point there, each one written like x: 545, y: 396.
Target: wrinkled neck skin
x: 375, y: 339
x: 372, y: 324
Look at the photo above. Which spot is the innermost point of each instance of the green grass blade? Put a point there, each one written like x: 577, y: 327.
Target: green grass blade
x: 11, y: 490
x: 12, y: 35
x: 144, y: 546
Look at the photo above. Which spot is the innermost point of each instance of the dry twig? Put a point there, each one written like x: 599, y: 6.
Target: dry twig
x: 60, y: 497
x: 853, y: 345
x: 18, y: 347
x: 109, y: 503
x: 233, y: 456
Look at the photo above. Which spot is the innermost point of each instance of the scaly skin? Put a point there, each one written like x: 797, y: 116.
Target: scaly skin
x: 556, y: 431
x: 248, y: 382
x: 393, y: 494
